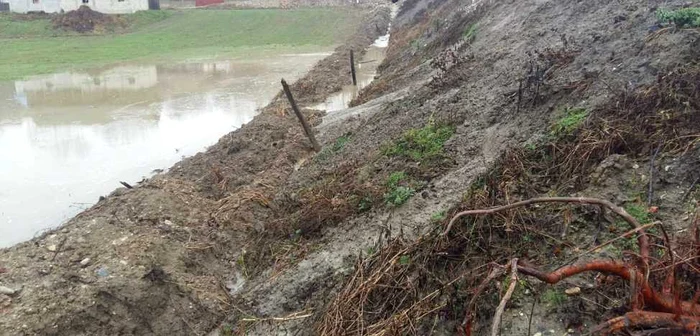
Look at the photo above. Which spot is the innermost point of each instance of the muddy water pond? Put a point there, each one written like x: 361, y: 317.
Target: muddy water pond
x: 67, y: 139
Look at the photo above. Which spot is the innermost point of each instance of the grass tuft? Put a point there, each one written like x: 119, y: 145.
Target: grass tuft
x: 682, y: 18
x: 470, y: 33
x: 421, y: 144
x: 569, y: 122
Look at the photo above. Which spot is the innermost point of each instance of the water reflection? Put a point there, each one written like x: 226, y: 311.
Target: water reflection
x: 66, y: 139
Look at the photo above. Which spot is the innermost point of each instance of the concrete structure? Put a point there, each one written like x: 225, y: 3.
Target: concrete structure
x: 56, y: 6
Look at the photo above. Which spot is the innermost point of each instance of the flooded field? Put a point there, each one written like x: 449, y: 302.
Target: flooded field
x: 67, y: 139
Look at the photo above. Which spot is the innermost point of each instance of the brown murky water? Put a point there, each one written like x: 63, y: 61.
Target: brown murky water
x: 365, y: 72
x: 68, y: 138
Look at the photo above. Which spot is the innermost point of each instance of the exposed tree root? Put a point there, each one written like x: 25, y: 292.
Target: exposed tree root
x: 674, y: 325
x: 667, y: 312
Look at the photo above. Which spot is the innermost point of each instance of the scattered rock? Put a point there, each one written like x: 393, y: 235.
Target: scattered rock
x: 52, y: 248
x: 573, y: 291
x: 85, y: 262
x: 7, y: 290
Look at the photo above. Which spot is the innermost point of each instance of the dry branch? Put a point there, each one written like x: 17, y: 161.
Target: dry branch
x: 642, y: 237
x: 502, y: 305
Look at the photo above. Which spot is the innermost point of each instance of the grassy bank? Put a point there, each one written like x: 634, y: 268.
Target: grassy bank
x: 33, y: 47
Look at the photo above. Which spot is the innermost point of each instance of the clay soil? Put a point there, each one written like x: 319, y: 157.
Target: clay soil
x: 260, y: 235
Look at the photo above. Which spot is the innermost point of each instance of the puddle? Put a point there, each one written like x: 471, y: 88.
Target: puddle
x: 365, y: 71
x: 68, y: 138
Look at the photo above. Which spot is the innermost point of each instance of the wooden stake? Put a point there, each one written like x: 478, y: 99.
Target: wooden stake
x: 304, y: 123
x: 352, y: 67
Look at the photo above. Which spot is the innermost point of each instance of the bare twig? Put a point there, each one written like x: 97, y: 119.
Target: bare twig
x: 650, y: 194
x: 467, y: 323
x: 687, y: 192
x: 642, y: 237
x: 502, y: 306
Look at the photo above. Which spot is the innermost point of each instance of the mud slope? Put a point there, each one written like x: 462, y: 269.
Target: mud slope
x: 463, y: 86
x: 157, y: 259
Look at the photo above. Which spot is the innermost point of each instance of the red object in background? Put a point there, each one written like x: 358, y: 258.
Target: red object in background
x: 200, y: 3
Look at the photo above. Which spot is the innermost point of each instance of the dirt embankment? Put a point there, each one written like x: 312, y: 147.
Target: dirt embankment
x: 161, y: 258
x: 476, y: 105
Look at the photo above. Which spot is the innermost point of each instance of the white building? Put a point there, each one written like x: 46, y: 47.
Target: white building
x: 56, y: 6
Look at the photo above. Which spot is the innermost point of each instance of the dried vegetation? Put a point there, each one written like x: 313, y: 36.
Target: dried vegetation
x: 417, y: 287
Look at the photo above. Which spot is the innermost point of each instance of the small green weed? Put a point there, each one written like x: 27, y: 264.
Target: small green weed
x: 335, y: 148
x: 398, y: 195
x: 365, y: 204
x: 639, y: 212
x: 684, y: 17
x: 226, y: 330
x: 371, y: 251
x: 553, y: 297
x: 570, y: 121
x: 470, y: 33
x: 398, y: 189
x: 404, y: 260
x: 421, y: 144
x: 395, y: 178
x: 438, y: 216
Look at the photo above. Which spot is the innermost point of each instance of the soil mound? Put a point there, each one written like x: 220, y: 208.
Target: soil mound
x: 84, y: 20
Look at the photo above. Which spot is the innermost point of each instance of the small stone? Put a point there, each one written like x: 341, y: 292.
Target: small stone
x: 168, y: 222
x: 51, y: 248
x: 7, y: 290
x: 102, y: 272
x: 537, y: 334
x: 123, y: 262
x: 573, y: 291
x: 635, y: 166
x: 85, y: 262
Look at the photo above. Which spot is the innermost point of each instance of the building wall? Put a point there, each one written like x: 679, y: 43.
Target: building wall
x: 107, y: 6
x: 25, y: 6
x: 55, y: 6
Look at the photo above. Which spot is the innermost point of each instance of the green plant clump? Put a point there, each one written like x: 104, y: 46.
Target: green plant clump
x: 398, y: 193
x: 684, y: 17
x: 421, y: 144
x: 572, y: 119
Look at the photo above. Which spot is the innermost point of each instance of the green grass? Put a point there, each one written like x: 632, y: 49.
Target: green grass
x: 399, y: 189
x: 470, y: 33
x: 438, y: 216
x: 29, y: 48
x: 684, y: 17
x: 421, y: 144
x: 553, y: 297
x: 23, y: 26
x: 335, y: 148
x: 570, y: 121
